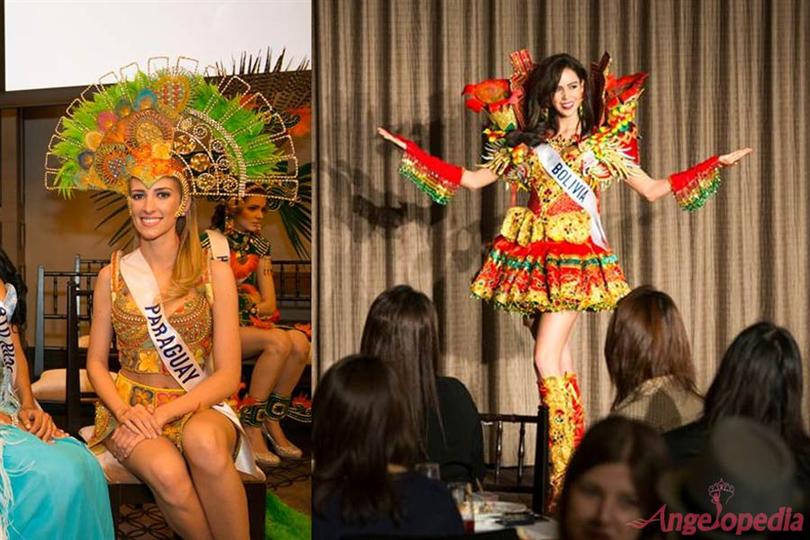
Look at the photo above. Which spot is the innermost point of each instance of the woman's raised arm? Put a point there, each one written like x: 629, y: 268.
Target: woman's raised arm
x: 473, y: 180
x: 653, y: 189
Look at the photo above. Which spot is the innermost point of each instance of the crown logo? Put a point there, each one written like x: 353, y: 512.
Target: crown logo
x: 720, y: 488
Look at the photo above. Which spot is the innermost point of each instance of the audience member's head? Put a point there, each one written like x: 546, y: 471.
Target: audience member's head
x: 611, y: 481
x: 401, y: 330
x: 745, y: 469
x: 361, y: 426
x: 646, y: 339
x: 760, y: 377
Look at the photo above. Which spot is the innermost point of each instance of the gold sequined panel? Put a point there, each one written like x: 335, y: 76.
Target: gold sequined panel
x: 574, y: 227
x: 193, y: 321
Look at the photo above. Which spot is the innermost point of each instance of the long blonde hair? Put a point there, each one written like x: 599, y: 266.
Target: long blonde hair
x: 188, y: 267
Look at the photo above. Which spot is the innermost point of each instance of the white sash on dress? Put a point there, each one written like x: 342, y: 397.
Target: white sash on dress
x: 575, y: 187
x: 173, y: 351
x: 7, y: 306
x: 220, y: 249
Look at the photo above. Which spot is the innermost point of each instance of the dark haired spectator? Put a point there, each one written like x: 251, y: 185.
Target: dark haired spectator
x: 611, y: 481
x: 650, y: 363
x: 364, y: 447
x: 401, y: 330
x: 760, y: 377
x: 745, y: 469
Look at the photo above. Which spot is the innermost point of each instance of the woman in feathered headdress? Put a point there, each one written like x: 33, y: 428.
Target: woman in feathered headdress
x: 162, y: 138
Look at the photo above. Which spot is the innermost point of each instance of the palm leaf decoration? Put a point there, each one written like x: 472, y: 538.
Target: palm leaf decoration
x: 297, y: 217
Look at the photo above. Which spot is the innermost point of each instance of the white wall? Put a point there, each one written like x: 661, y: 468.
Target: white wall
x: 56, y: 43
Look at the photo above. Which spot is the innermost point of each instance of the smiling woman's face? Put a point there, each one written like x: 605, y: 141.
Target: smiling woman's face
x: 154, y: 208
x: 569, y: 94
x: 602, y: 503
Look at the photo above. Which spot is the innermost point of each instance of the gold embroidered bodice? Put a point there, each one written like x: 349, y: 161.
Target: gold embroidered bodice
x: 193, y: 321
x: 550, y: 213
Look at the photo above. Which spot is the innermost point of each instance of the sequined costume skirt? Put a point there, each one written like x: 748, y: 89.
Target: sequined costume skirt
x: 135, y: 393
x: 548, y: 275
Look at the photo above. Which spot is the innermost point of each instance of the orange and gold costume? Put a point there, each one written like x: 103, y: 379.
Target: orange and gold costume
x: 193, y: 321
x: 545, y: 258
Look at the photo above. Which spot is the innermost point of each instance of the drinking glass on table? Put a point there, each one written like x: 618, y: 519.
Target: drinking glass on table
x: 429, y: 469
x: 463, y: 497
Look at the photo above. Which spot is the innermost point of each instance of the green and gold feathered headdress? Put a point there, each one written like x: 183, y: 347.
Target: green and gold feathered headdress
x: 215, y: 137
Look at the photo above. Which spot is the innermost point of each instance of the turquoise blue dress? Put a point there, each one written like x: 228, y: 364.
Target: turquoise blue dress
x: 48, y: 491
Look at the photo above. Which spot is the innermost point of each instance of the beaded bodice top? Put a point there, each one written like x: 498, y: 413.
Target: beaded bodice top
x: 193, y: 321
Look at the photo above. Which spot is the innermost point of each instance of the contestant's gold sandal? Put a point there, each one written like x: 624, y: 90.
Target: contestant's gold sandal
x: 252, y: 414
x: 276, y: 408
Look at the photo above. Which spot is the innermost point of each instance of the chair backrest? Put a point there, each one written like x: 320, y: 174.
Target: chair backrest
x: 293, y: 283
x: 75, y: 360
x: 540, y: 479
x: 49, y: 307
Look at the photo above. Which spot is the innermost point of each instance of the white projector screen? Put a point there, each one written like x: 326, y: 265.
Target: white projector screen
x: 58, y: 43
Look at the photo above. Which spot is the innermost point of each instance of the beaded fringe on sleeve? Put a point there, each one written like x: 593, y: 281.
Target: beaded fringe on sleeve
x: 437, y: 178
x: 694, y: 186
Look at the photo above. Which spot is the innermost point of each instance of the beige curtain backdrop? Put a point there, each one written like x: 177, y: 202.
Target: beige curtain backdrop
x: 723, y: 74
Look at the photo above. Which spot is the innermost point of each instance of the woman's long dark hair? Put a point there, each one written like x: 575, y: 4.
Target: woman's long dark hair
x: 617, y: 439
x: 9, y: 274
x: 646, y: 338
x: 760, y: 377
x: 540, y: 116
x: 360, y: 426
x: 401, y: 329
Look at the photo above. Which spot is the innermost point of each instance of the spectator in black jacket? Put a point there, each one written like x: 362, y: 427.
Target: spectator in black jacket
x: 401, y: 330
x: 364, y: 447
x: 760, y: 377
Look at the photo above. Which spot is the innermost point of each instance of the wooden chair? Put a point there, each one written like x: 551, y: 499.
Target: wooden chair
x: 124, y: 487
x: 540, y: 477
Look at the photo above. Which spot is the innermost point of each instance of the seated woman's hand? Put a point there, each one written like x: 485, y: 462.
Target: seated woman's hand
x: 40, y: 424
x: 139, y: 419
x: 162, y: 416
x: 122, y: 441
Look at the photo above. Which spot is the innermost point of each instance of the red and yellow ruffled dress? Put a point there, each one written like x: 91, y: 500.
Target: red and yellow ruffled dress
x: 193, y: 321
x: 544, y: 258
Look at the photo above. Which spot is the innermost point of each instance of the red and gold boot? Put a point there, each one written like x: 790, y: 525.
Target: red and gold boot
x: 554, y: 395
x: 577, y: 410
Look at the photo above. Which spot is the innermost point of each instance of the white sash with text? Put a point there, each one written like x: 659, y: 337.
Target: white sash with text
x: 173, y: 351
x: 6, y: 344
x: 575, y: 187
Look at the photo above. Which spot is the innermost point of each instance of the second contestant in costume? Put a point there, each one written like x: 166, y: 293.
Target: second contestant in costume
x: 51, y: 486
x: 283, y: 351
x: 160, y: 139
x: 562, y: 135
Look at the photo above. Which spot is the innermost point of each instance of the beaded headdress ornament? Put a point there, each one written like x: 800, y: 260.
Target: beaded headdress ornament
x: 215, y: 138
